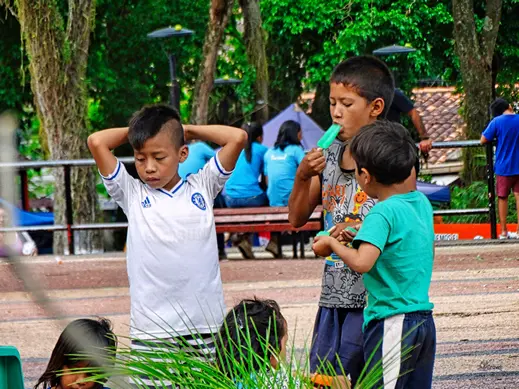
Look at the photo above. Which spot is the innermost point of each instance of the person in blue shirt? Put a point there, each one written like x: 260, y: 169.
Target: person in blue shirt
x: 281, y: 163
x: 243, y: 189
x: 280, y: 169
x: 504, y: 130
x: 199, y: 154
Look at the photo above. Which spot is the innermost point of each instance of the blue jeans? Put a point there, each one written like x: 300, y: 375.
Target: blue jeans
x: 255, y: 201
x: 406, y: 344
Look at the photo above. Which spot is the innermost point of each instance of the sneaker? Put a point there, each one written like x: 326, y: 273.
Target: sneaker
x: 509, y: 235
x: 245, y: 249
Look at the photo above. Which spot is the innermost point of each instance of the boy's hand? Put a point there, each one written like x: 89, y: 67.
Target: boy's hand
x: 349, y: 233
x: 322, y: 246
x: 312, y: 165
x: 342, y: 226
x: 425, y: 146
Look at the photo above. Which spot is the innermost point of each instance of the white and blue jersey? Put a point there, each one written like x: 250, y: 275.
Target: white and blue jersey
x: 172, y: 255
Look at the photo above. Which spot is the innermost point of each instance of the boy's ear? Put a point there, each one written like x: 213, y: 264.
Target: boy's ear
x: 365, y: 176
x: 377, y: 107
x: 183, y: 153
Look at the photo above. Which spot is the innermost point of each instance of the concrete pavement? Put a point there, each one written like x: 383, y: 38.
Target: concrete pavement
x: 475, y: 291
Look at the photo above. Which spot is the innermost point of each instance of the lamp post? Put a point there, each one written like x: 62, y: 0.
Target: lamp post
x: 394, y: 49
x: 177, y: 31
x: 224, y: 105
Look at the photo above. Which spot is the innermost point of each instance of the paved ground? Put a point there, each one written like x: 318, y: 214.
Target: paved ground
x: 476, y: 292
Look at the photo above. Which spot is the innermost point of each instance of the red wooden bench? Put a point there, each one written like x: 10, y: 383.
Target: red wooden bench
x: 263, y: 219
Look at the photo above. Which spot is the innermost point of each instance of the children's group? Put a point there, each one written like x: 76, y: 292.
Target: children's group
x: 377, y: 246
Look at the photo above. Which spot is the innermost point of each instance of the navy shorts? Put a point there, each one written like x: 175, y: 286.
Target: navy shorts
x: 338, y: 340
x: 406, y: 345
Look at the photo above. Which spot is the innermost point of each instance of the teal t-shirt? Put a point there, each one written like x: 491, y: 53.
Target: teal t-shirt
x: 401, y: 227
x: 280, y: 168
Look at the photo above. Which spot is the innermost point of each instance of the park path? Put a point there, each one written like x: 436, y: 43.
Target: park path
x: 475, y: 291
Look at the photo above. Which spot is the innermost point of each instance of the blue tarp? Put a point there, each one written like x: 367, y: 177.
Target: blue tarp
x: 23, y: 218
x: 436, y: 193
x: 311, y: 130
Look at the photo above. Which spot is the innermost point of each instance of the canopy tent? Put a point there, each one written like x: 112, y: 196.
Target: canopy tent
x: 24, y: 218
x: 311, y: 130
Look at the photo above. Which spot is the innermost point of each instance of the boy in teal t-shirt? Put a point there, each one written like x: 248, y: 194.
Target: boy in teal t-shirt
x: 394, y: 250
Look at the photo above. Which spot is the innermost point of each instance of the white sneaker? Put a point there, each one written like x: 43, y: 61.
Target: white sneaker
x: 509, y: 235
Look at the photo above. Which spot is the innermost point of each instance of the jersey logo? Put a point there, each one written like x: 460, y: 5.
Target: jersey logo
x: 146, y: 203
x: 199, y: 201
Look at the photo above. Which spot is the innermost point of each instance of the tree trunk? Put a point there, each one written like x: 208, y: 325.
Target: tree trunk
x: 321, y: 106
x: 219, y: 14
x: 255, y: 42
x: 475, y: 51
x: 58, y: 58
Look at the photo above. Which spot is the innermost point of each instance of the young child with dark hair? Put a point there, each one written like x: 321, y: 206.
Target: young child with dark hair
x: 172, y: 256
x: 394, y: 250
x: 361, y: 90
x: 252, y: 346
x: 83, y: 343
x: 258, y: 324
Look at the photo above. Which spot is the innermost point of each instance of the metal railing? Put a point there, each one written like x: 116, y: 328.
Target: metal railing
x: 70, y: 227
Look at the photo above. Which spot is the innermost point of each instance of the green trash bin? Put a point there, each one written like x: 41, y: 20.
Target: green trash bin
x: 11, y: 376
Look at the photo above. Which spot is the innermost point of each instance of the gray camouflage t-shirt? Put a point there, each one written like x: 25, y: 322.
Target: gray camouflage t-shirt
x: 343, y: 201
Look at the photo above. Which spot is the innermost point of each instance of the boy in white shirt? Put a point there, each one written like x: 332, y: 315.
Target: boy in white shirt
x: 172, y: 256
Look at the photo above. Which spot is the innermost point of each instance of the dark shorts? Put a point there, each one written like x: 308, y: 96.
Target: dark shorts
x: 506, y: 184
x: 406, y: 345
x: 338, y: 340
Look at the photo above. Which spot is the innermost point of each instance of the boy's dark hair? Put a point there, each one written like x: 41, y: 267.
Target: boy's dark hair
x: 251, y: 333
x: 498, y: 107
x: 82, y: 340
x: 369, y: 77
x: 254, y: 131
x: 147, y: 122
x: 288, y: 135
x: 386, y: 150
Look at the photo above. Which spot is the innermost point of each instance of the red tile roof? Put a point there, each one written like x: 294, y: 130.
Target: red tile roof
x: 439, y: 110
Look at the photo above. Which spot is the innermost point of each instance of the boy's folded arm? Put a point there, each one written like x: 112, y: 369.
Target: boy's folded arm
x: 305, y: 196
x: 361, y: 260
x: 102, y: 143
x: 232, y: 140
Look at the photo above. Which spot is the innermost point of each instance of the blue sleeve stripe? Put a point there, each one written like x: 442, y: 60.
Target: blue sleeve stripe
x: 112, y: 176
x: 220, y: 169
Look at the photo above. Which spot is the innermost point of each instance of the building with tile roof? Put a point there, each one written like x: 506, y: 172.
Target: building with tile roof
x: 439, y: 109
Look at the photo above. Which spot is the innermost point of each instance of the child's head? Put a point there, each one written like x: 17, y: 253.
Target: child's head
x: 254, y: 134
x: 92, y: 338
x: 289, y: 134
x: 157, y: 138
x: 361, y: 90
x: 384, y: 153
x: 254, y: 330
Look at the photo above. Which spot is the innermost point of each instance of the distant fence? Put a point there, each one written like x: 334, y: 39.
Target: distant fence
x: 70, y: 227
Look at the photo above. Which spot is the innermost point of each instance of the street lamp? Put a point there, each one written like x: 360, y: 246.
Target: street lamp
x: 177, y: 31
x: 224, y: 105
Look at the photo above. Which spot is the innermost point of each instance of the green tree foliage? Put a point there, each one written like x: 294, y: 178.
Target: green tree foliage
x: 307, y: 39
x: 126, y: 69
